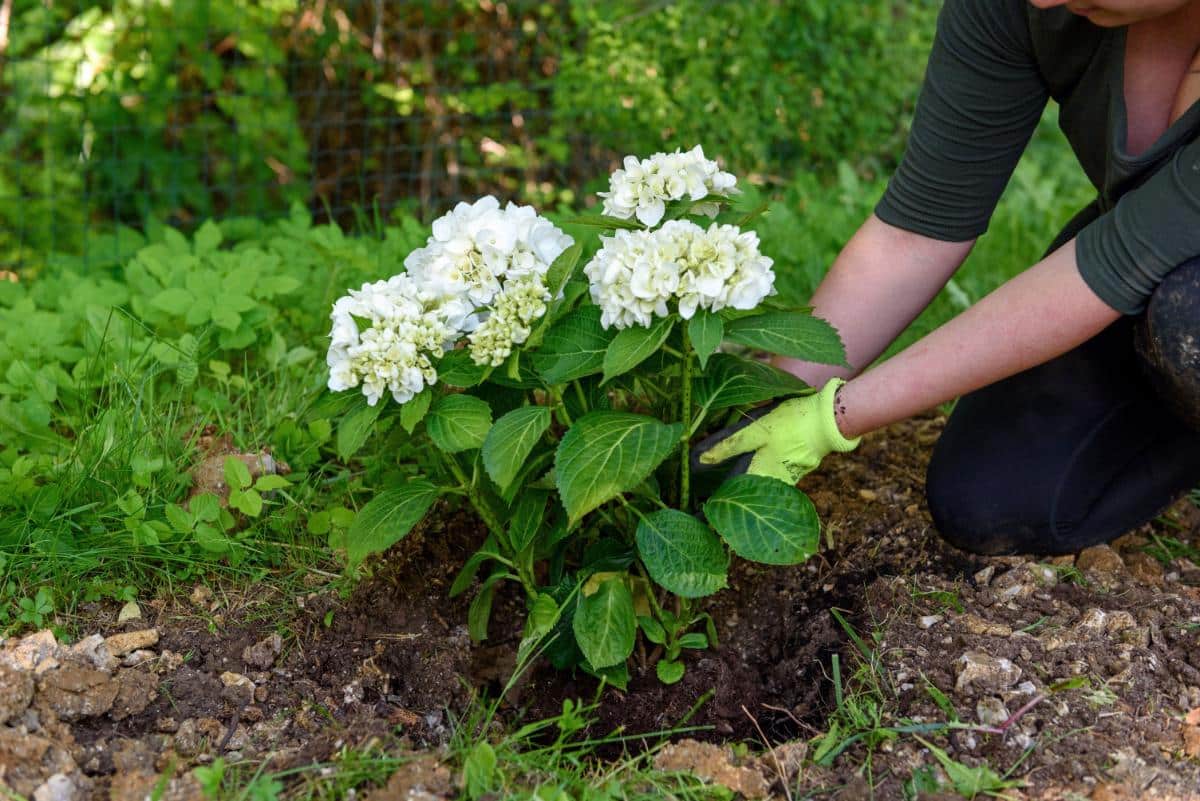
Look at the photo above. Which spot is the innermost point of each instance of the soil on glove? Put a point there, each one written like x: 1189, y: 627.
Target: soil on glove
x: 1076, y: 674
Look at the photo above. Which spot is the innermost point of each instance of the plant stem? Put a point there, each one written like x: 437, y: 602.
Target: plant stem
x: 481, y: 508
x: 685, y: 417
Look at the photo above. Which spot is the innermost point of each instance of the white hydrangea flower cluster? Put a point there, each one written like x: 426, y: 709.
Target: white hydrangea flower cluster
x: 496, y: 258
x: 636, y: 274
x: 482, y: 273
x: 510, y: 323
x: 645, y: 186
x: 384, y: 336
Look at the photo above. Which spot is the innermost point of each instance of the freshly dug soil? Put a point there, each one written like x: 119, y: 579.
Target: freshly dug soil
x: 1102, y: 654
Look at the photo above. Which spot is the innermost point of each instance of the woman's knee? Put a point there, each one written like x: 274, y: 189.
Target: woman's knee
x: 1168, y: 341
x: 970, y: 507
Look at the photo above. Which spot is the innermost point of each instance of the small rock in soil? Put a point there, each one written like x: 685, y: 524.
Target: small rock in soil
x: 1145, y: 568
x: 713, y: 763
x: 77, y: 692
x: 130, y: 611
x: 984, y: 576
x: 425, y: 778
x: 239, y: 689
x: 26, y: 760
x: 1100, y: 559
x: 58, y: 787
x: 986, y: 672
x: 262, y: 654
x: 991, y: 711
x: 137, y: 690
x: 929, y: 621
x: 92, y: 649
x: 197, y: 733
x: 974, y: 624
x: 35, y: 653
x: 16, y: 693
x: 142, y: 785
x: 138, y: 658
x: 121, y: 644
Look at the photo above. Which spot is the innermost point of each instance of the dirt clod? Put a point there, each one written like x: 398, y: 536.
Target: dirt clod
x: 73, y: 692
x: 1100, y: 559
x: 714, y: 763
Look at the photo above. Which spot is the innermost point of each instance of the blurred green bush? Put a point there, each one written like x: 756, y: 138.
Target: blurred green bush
x: 120, y: 111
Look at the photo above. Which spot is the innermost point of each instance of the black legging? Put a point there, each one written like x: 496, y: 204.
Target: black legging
x: 1069, y: 454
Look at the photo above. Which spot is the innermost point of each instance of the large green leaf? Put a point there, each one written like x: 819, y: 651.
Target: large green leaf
x: 605, y: 624
x: 388, y: 518
x: 458, y: 423
x: 511, y: 440
x: 607, y: 453
x: 354, y: 429
x: 682, y: 554
x: 632, y: 346
x: 764, y: 519
x: 792, y: 334
x: 705, y: 330
x: 573, y: 347
x: 734, y: 381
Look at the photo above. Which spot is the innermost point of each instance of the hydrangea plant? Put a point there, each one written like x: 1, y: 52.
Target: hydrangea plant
x: 560, y: 399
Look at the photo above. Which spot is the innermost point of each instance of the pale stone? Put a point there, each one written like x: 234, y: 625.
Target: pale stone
x: 984, y: 671
x: 35, y: 653
x: 130, y: 611
x: 121, y: 644
x: 974, y: 624
x: 93, y: 649
x: 58, y: 787
x: 991, y: 711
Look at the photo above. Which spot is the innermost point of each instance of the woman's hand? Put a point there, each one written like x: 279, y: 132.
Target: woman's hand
x: 787, y: 442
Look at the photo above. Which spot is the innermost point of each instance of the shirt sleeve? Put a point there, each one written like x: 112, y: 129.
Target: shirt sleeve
x: 981, y: 100
x: 1125, y: 254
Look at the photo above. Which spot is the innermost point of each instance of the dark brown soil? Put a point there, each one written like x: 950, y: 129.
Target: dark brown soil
x: 1111, y: 647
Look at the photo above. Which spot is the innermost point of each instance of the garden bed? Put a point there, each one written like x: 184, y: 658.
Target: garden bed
x: 1109, y: 643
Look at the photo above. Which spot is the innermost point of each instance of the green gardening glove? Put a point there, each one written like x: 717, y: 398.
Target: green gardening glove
x: 789, y: 441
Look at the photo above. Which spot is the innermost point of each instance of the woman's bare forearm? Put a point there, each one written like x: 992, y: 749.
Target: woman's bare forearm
x: 1040, y: 314
x: 878, y: 284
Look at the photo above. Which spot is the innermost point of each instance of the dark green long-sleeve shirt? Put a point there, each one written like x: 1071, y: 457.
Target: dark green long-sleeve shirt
x: 993, y: 66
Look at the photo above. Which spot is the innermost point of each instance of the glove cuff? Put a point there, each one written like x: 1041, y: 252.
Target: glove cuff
x: 833, y: 436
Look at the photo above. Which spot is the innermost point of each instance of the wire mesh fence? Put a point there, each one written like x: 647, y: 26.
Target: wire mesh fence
x: 120, y: 112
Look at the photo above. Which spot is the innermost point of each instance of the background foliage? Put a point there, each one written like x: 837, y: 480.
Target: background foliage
x: 321, y: 135
x: 124, y: 110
